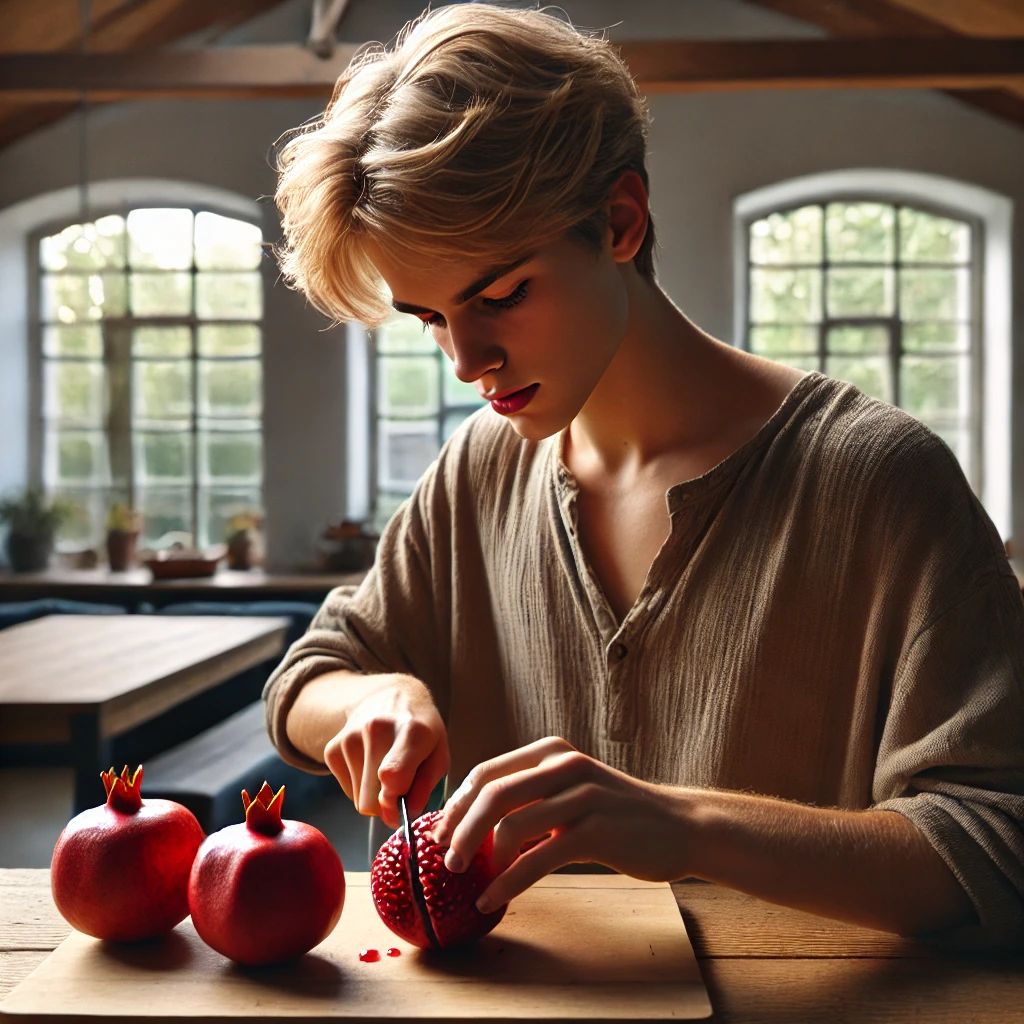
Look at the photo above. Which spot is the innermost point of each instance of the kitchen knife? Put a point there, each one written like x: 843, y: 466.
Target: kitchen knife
x: 414, y: 874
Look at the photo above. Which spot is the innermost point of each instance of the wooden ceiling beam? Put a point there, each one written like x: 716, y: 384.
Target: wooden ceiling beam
x: 661, y: 66
x: 846, y: 19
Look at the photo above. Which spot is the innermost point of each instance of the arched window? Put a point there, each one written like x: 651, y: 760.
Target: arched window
x: 898, y: 282
x: 419, y: 403
x: 878, y: 294
x: 149, y: 389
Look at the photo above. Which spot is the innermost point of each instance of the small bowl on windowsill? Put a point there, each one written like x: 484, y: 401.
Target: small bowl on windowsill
x: 184, y: 563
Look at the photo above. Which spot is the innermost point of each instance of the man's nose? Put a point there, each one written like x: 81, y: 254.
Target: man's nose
x: 472, y: 357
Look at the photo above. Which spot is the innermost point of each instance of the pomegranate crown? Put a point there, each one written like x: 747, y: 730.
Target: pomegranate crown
x: 263, y: 811
x: 124, y: 791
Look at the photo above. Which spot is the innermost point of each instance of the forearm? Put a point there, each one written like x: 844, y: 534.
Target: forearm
x: 323, y: 706
x: 872, y: 868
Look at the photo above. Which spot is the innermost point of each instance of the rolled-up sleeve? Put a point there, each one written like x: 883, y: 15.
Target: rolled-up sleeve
x: 395, y: 621
x: 951, y: 756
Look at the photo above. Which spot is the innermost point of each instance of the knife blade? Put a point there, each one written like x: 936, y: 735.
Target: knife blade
x: 414, y: 874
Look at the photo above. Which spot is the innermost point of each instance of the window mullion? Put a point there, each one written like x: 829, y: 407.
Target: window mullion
x: 117, y: 338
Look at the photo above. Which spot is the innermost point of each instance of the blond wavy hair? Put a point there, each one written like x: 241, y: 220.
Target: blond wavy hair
x: 483, y: 133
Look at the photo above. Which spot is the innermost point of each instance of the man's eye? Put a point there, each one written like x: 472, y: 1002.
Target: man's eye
x: 435, y: 320
x: 512, y: 299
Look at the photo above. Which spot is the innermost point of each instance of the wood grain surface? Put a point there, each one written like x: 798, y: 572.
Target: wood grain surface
x: 91, y: 660
x: 601, y: 947
x: 761, y: 964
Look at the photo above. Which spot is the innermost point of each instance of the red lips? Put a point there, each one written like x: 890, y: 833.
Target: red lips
x: 514, y: 401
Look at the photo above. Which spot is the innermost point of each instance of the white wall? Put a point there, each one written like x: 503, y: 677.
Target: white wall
x: 705, y: 150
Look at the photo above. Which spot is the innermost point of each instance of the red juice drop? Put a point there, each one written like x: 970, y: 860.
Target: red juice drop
x: 369, y: 956
x: 392, y: 951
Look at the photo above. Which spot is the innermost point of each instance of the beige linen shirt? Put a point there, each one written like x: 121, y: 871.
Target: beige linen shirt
x: 831, y: 620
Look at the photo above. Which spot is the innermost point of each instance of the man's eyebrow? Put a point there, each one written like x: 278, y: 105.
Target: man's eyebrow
x: 475, y: 288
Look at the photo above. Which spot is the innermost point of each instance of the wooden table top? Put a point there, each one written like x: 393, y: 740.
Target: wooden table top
x: 81, y: 662
x: 125, y: 669
x: 762, y: 964
x: 86, y: 581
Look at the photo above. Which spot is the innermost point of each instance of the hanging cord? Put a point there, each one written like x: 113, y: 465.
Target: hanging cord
x: 83, y: 110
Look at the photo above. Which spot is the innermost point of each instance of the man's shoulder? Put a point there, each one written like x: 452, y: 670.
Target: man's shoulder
x: 856, y: 433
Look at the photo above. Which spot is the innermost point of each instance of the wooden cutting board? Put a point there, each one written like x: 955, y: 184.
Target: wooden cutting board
x: 599, y: 947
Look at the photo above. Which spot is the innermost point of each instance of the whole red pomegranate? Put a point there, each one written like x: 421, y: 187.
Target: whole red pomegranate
x: 120, y: 870
x: 266, y: 890
x: 449, y: 900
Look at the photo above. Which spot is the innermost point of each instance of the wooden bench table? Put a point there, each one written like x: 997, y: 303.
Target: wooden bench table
x: 762, y: 964
x: 84, y: 679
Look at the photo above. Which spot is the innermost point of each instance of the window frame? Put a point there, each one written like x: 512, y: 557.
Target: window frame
x: 894, y: 324
x: 36, y: 358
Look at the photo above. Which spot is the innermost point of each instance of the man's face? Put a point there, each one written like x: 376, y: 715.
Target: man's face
x: 534, y: 340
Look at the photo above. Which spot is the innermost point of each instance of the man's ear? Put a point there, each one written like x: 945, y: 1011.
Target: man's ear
x: 627, y: 216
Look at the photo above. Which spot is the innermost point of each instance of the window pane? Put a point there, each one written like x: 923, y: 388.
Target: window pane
x: 230, y: 456
x: 162, y: 391
x: 406, y: 449
x: 74, y: 392
x: 775, y: 341
x: 786, y: 296
x: 793, y: 237
x: 408, y: 385
x: 161, y: 294
x: 935, y: 387
x: 925, y: 238
x: 925, y: 337
x: 92, y: 246
x: 860, y: 292
x: 869, y: 373
x: 387, y: 505
x: 69, y: 298
x: 168, y: 342
x: 228, y: 340
x: 863, y: 340
x: 230, y: 388
x: 163, y: 510
x: 229, y: 296
x: 458, y: 392
x: 453, y: 420
x: 75, y: 456
x: 223, y: 243
x: 81, y: 340
x: 860, y: 232
x: 88, y: 521
x: 935, y: 295
x: 404, y: 333
x: 218, y: 505
x: 160, y: 239
x: 163, y: 456
x: 799, y: 362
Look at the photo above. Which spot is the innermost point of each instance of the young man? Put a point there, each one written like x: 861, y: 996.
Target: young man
x: 665, y: 606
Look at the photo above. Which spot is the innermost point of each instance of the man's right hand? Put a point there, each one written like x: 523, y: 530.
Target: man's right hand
x: 393, y: 744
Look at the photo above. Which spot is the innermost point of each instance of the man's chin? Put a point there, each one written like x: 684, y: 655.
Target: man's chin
x: 533, y: 428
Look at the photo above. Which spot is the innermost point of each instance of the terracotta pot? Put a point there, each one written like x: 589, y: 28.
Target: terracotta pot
x: 240, y: 553
x: 121, y: 549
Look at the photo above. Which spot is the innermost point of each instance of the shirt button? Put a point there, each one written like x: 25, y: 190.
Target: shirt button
x: 620, y: 651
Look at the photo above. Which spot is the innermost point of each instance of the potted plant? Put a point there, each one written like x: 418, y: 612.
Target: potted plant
x: 123, y: 528
x: 32, y: 522
x: 242, y: 538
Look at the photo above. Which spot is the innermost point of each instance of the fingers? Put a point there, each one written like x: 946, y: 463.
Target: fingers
x: 415, y: 763
x: 517, y: 760
x: 502, y: 796
x: 428, y: 775
x: 334, y: 758
x: 559, y: 849
x: 529, y: 826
